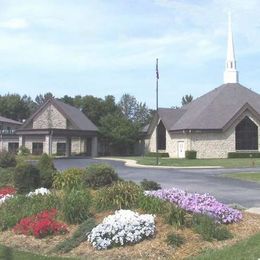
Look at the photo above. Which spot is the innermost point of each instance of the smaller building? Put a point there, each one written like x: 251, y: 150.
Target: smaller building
x: 59, y: 129
x: 8, y: 140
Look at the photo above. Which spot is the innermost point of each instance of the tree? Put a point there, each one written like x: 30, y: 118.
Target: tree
x: 133, y: 110
x: 40, y: 99
x: 15, y: 107
x: 119, y: 132
x: 186, y: 99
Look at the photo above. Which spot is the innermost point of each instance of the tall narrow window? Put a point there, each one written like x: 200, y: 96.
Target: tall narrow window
x: 161, y: 132
x: 246, y: 135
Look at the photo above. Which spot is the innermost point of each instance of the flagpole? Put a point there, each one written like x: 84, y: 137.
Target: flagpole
x: 157, y: 81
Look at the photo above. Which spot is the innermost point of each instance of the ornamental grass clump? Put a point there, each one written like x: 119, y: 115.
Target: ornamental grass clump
x: 124, y: 227
x: 199, y: 203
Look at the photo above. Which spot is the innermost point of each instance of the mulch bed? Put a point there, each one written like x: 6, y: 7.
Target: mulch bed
x: 155, y: 248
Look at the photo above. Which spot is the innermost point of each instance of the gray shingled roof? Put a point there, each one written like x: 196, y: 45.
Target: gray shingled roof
x: 75, y: 115
x: 211, y: 111
x: 9, y: 121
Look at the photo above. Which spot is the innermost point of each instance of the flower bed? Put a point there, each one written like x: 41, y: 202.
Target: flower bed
x: 41, y: 225
x: 6, y: 193
x: 199, y: 203
x: 124, y: 227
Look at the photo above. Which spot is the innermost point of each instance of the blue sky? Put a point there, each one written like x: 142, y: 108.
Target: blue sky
x: 103, y: 47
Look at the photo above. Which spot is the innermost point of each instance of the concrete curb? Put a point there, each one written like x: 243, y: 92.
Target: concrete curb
x: 133, y: 163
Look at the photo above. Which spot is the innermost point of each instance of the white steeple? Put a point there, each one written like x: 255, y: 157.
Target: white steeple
x: 230, y: 73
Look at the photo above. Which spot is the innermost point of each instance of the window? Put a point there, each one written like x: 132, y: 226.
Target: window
x: 13, y: 147
x: 61, y: 148
x: 246, y: 135
x: 37, y: 148
x: 161, y: 133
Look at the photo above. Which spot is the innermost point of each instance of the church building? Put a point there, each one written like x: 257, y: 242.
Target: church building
x: 224, y: 120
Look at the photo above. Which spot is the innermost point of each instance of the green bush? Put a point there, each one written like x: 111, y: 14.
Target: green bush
x: 99, y: 175
x: 20, y: 206
x: 150, y: 185
x: 78, y: 237
x: 7, y: 159
x: 175, y: 216
x: 209, y: 229
x: 6, y: 177
x: 153, y: 154
x: 120, y: 195
x: 24, y: 151
x: 244, y: 155
x: 26, y: 178
x: 174, y: 240
x: 152, y: 205
x: 75, y: 206
x: 191, y: 154
x: 47, y: 170
x: 68, y: 179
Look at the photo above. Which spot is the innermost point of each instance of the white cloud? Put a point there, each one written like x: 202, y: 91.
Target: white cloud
x: 16, y: 23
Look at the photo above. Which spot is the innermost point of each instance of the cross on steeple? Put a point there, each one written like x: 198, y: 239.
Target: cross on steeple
x: 230, y: 73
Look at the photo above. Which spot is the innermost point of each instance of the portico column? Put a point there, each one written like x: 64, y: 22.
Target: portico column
x: 68, y: 147
x: 94, y: 144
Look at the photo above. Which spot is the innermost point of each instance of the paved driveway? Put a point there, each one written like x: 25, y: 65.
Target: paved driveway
x: 210, y: 181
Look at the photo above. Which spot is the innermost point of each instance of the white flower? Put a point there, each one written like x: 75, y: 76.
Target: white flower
x: 125, y: 226
x: 41, y: 191
x: 6, y: 197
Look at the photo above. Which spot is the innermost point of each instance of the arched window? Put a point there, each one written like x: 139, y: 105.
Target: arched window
x: 161, y: 132
x: 246, y: 135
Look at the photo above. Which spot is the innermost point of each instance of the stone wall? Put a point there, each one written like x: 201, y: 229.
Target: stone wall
x: 50, y: 117
x: 29, y: 140
x: 55, y: 140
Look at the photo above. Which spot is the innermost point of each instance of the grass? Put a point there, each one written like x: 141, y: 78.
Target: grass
x: 8, y: 253
x: 246, y: 249
x: 226, y: 163
x: 245, y: 176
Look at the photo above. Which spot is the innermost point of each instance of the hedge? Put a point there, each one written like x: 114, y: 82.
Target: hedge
x: 244, y: 155
x: 191, y: 154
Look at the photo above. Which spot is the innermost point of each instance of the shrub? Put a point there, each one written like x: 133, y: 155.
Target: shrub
x: 209, y: 229
x: 118, y: 196
x: 75, y: 206
x: 99, y: 175
x: 21, y: 206
x: 78, y: 237
x: 26, y: 178
x: 40, y: 225
x: 7, y: 159
x: 47, y: 170
x: 244, y: 155
x: 174, y: 240
x: 152, y: 205
x: 68, y: 179
x: 6, y: 177
x: 150, y: 185
x: 175, y: 216
x: 124, y: 227
x: 24, y: 151
x: 191, y: 154
x: 153, y: 154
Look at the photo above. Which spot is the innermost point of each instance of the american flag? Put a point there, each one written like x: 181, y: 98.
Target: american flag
x: 157, y: 70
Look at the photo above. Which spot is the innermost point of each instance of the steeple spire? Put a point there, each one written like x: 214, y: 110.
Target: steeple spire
x: 230, y: 73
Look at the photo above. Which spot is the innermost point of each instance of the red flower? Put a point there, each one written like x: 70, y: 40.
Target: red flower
x: 40, y: 225
x: 6, y: 191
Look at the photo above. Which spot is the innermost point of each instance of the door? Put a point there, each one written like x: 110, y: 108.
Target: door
x: 181, y: 150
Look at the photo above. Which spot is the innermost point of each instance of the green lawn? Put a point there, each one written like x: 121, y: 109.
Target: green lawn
x: 247, y: 176
x: 227, y: 163
x: 248, y: 249
x: 7, y: 253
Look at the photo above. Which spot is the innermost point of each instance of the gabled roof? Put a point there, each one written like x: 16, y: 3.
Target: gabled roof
x: 74, y: 115
x: 9, y: 121
x: 212, y: 111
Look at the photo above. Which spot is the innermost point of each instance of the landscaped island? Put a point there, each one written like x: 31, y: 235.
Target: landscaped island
x: 92, y: 212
